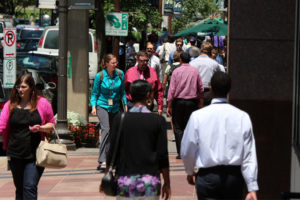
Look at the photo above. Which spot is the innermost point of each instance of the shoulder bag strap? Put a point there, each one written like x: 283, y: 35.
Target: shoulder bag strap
x: 117, y: 141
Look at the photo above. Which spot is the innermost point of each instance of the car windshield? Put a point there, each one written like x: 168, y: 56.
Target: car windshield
x: 30, y: 34
x: 38, y: 62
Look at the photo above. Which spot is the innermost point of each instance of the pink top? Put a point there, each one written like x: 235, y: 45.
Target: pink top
x: 149, y: 75
x: 185, y: 83
x: 44, y: 108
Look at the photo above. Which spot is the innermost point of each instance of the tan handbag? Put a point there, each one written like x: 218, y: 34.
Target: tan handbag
x: 51, y: 155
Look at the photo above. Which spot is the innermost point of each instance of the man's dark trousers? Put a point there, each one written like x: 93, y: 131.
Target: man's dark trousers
x: 221, y: 182
x: 181, y: 111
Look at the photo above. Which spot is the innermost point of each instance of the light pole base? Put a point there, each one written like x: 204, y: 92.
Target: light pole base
x: 64, y: 136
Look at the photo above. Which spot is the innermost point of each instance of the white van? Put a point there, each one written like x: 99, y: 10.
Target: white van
x: 49, y: 44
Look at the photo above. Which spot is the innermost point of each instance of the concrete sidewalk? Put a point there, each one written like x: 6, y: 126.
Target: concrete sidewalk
x: 80, y: 179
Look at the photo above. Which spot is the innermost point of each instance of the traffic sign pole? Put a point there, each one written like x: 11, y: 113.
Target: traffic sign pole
x: 9, y: 55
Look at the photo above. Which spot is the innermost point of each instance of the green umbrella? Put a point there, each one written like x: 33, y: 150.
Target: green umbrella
x: 208, y: 27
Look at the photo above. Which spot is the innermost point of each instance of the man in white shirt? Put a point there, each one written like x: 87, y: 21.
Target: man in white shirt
x: 206, y: 67
x: 219, y: 140
x: 154, y: 61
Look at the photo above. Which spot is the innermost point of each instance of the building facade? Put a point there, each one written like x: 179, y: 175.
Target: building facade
x: 263, y: 62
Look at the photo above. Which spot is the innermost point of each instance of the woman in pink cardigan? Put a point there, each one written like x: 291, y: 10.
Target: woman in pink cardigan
x: 25, y: 120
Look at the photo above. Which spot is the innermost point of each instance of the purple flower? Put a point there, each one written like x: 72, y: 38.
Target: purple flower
x: 127, y: 180
x: 155, y: 180
x: 131, y: 189
x: 120, y: 182
x: 146, y: 178
x: 140, y: 187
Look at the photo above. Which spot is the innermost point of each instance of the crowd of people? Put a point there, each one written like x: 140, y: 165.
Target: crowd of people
x: 210, y: 134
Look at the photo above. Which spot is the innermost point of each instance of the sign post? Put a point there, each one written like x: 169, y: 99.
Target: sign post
x: 116, y: 24
x: 9, y: 55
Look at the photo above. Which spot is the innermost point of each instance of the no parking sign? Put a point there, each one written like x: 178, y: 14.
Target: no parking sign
x: 9, y: 54
x: 10, y: 40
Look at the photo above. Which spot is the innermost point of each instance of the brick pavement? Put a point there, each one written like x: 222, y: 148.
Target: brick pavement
x: 80, y: 179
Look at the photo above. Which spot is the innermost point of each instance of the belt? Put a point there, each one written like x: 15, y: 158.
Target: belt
x: 219, y: 168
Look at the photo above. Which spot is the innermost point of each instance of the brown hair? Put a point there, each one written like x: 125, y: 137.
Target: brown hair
x: 106, y: 59
x: 15, y: 99
x: 176, y: 56
x: 141, y: 53
x: 206, y: 48
x: 214, y: 50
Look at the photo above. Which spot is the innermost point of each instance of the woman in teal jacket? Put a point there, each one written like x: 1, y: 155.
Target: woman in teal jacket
x: 107, y: 99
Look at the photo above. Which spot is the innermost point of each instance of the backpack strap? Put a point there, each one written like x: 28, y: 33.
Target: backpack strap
x: 101, y: 75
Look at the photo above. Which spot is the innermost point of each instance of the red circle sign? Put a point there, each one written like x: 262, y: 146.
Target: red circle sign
x: 9, y: 38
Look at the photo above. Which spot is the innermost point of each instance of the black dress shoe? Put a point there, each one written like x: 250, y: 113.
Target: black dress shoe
x: 178, y: 157
x: 99, y: 167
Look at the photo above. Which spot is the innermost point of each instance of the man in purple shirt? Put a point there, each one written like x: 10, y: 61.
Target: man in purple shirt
x: 185, y: 96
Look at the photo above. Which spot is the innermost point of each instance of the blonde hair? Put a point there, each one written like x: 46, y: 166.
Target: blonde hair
x: 107, y: 58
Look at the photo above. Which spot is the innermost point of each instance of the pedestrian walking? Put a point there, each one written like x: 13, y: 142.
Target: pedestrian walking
x: 219, y: 140
x: 154, y: 61
x: 144, y: 72
x: 206, y: 67
x: 168, y: 72
x: 193, y: 41
x: 130, y: 53
x: 25, y: 120
x: 215, y: 56
x: 185, y: 95
x: 179, y: 48
x: 142, y: 153
x: 108, y: 97
x: 167, y: 49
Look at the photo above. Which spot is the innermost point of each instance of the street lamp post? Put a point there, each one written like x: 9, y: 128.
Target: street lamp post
x: 62, y: 126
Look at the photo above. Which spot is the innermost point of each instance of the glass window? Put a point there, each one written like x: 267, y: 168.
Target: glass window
x: 24, y: 34
x: 51, y: 40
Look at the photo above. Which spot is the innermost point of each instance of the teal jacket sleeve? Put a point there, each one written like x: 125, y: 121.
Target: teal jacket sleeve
x: 123, y: 93
x: 96, y: 90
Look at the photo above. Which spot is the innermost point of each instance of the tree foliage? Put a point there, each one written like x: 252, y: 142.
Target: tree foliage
x: 191, y: 9
x: 9, y: 6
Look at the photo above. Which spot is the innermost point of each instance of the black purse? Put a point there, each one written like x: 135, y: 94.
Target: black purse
x: 109, y: 181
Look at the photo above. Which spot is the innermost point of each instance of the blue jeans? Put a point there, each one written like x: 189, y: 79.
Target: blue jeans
x: 26, y: 177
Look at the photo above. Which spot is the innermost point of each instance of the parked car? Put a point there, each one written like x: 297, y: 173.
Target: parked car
x: 44, y: 71
x: 49, y: 44
x: 28, y: 37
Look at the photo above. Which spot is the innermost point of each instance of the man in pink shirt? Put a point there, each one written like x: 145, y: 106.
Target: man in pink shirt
x: 144, y: 72
x: 185, y: 96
